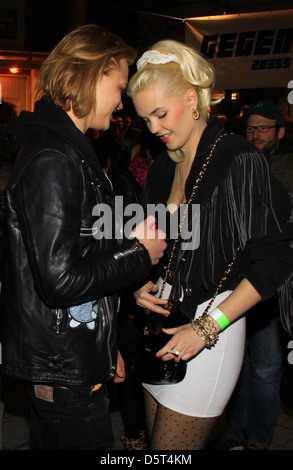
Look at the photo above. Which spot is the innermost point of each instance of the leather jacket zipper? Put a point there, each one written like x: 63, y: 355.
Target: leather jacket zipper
x: 108, y: 319
x: 59, y: 317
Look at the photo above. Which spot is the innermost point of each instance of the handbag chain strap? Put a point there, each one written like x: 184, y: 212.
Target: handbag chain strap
x: 168, y: 269
x: 221, y: 282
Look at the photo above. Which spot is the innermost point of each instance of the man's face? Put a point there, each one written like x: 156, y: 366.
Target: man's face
x: 264, y: 141
x: 108, y: 97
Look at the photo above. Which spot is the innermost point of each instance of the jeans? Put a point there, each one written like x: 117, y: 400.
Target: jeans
x: 64, y: 419
x: 255, y: 404
x: 130, y: 392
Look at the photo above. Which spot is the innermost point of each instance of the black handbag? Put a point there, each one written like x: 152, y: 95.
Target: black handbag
x: 154, y: 370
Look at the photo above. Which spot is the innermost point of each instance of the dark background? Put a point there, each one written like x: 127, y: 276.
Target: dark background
x: 138, y: 22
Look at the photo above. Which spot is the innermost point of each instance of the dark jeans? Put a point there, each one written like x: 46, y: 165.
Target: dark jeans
x: 69, y: 420
x: 1, y: 413
x: 130, y: 392
x: 255, y: 405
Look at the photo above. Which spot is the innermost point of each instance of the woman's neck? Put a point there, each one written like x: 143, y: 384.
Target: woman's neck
x: 177, y: 195
x: 190, y: 148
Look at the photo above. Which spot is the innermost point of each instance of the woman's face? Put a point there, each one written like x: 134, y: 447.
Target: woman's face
x: 167, y: 116
x: 108, y: 97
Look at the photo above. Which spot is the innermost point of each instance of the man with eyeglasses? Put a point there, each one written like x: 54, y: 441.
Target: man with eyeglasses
x: 265, y: 128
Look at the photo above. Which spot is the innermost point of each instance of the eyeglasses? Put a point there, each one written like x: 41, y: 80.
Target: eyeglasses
x: 261, y: 129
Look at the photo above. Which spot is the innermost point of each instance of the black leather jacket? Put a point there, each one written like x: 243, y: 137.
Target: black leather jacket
x: 54, y: 261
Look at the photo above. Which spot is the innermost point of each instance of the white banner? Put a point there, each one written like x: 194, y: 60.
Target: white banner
x: 251, y: 50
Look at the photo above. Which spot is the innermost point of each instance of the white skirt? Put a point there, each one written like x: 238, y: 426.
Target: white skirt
x: 211, y: 376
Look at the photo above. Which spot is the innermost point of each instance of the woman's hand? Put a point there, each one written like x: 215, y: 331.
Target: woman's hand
x: 145, y: 297
x: 184, y: 340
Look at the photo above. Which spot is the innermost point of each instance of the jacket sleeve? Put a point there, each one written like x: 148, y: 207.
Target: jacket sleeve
x: 270, y: 227
x: 248, y: 208
x: 47, y: 200
x: 2, y: 216
x: 271, y: 266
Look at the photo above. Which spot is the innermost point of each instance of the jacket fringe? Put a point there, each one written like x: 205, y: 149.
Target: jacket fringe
x: 285, y: 294
x: 234, y: 214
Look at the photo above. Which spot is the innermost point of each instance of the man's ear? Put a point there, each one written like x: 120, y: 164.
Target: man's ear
x: 281, y: 132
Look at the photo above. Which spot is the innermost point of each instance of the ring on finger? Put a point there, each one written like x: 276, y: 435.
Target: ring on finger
x: 172, y: 351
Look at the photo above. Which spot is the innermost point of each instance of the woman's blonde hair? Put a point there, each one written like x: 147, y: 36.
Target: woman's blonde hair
x: 193, y: 71
x: 70, y: 73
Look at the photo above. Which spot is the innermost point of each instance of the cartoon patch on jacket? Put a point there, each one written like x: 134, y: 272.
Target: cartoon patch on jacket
x: 84, y: 314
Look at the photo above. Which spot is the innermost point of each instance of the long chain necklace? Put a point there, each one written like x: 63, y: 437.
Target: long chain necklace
x: 200, y: 177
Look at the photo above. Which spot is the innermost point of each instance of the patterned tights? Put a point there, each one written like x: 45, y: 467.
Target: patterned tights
x: 170, y: 430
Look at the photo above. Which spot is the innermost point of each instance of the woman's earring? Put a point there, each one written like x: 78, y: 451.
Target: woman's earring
x: 195, y: 114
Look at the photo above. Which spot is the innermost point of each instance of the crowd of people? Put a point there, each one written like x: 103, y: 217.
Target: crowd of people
x: 72, y: 300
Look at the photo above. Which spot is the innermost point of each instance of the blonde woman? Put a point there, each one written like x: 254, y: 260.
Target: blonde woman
x: 243, y: 214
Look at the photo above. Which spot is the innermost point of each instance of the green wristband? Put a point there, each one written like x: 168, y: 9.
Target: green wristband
x: 220, y: 318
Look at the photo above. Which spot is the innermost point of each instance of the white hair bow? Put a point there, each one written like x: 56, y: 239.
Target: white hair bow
x: 156, y: 58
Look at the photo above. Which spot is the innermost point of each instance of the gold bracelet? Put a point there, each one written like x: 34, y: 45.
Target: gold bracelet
x: 196, y: 326
x: 206, y: 330
x: 209, y: 340
x: 208, y: 324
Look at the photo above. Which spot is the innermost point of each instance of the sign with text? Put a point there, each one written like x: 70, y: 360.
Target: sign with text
x: 252, y: 50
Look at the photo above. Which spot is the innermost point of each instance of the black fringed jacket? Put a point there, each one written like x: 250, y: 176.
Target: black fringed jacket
x: 241, y: 204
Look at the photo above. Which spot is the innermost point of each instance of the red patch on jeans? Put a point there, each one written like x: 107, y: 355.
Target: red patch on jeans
x: 44, y: 392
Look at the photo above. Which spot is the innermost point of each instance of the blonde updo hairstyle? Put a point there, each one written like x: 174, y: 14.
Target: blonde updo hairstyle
x: 193, y: 71
x: 70, y: 73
